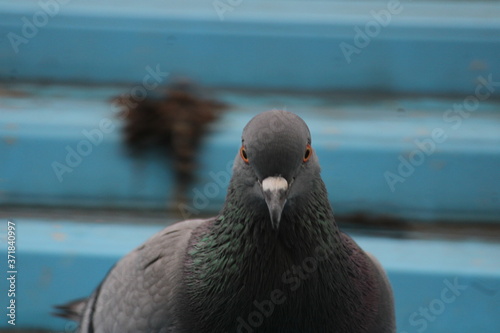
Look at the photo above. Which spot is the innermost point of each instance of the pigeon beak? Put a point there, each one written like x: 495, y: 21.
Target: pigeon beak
x: 275, y: 192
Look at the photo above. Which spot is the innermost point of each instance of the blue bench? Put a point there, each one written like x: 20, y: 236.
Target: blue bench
x: 411, y: 133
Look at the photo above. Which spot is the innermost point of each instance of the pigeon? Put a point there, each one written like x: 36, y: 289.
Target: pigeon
x: 272, y: 261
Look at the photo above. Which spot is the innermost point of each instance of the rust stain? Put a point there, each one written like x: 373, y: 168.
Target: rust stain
x: 59, y: 236
x: 5, y: 92
x: 423, y: 131
x: 478, y: 65
x: 438, y: 164
x: 10, y: 140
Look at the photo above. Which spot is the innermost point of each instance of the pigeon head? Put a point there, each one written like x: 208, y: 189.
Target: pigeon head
x: 277, y: 161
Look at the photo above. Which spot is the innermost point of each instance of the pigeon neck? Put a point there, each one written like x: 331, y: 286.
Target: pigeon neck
x: 240, y: 248
x: 307, y: 222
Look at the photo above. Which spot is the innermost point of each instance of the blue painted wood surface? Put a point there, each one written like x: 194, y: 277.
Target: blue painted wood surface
x: 427, y: 49
x: 379, y: 155
x: 63, y: 260
x: 431, y: 48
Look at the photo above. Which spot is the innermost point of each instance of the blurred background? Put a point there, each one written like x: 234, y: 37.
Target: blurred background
x: 118, y: 118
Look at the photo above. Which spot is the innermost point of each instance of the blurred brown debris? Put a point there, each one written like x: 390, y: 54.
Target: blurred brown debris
x: 172, y: 122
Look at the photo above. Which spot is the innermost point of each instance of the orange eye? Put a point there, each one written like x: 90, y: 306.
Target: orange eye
x: 243, y: 154
x: 308, y: 153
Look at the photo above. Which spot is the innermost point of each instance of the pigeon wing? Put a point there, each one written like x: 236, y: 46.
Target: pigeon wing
x: 138, y: 294
x: 380, y: 300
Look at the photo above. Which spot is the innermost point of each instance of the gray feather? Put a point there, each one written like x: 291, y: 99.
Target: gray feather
x: 138, y: 293
x: 73, y: 310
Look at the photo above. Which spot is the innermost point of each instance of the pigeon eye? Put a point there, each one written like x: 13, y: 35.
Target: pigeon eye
x: 308, y: 153
x: 243, y: 154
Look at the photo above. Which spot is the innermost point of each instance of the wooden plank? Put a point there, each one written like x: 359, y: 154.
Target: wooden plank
x: 430, y: 48
x: 380, y: 155
x: 64, y: 260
